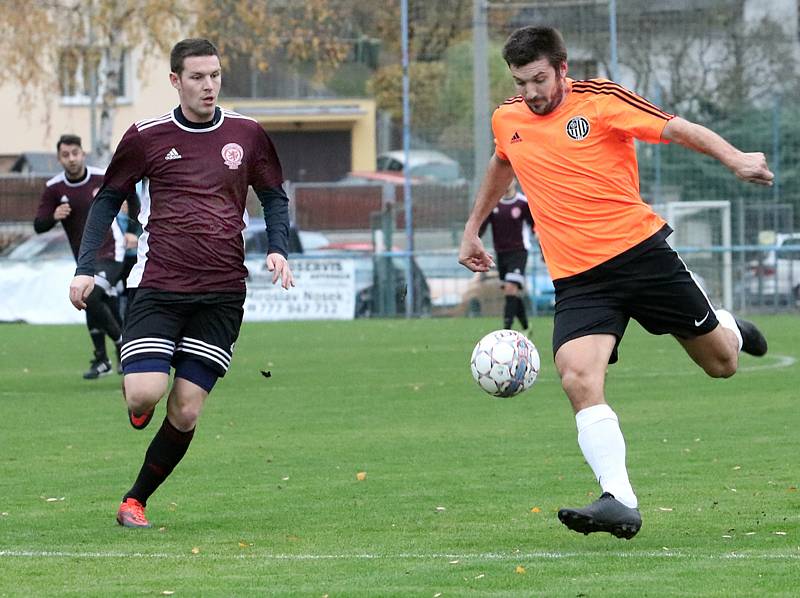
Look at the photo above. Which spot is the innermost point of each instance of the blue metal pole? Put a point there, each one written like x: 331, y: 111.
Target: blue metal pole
x: 406, y: 148
x: 776, y: 146
x: 612, y: 30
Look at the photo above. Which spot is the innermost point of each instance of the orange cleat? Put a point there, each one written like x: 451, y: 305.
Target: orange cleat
x: 131, y: 514
x: 140, y: 421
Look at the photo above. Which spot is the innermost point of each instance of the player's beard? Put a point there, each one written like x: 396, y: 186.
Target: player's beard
x: 552, y: 103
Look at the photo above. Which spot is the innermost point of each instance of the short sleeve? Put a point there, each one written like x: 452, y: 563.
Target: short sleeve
x: 633, y: 115
x: 128, y: 164
x: 265, y: 170
x: 498, y: 149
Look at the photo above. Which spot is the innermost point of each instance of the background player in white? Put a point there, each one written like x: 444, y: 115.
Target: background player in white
x: 197, y: 162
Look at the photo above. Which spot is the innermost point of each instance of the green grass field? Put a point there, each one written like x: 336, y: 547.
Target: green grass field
x: 461, y: 492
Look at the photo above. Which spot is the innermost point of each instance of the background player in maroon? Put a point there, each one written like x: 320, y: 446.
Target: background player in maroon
x: 67, y: 198
x: 508, y: 220
x: 196, y: 163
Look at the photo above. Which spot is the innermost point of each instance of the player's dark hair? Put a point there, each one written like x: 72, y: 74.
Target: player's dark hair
x: 68, y: 140
x: 194, y: 46
x: 528, y: 44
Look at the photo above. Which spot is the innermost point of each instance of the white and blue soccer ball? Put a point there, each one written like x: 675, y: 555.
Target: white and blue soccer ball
x: 504, y: 363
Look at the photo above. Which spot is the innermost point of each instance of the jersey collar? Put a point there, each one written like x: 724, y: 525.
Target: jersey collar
x: 182, y: 122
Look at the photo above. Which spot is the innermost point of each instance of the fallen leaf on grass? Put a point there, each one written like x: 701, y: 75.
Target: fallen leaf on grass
x: 536, y: 510
x: 195, y: 550
x: 245, y: 544
x: 361, y: 476
x: 520, y: 570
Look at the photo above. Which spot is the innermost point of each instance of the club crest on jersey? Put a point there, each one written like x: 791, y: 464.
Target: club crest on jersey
x: 232, y: 153
x: 578, y: 128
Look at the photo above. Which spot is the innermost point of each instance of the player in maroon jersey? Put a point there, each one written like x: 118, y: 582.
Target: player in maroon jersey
x: 196, y: 162
x: 508, y: 220
x: 67, y: 198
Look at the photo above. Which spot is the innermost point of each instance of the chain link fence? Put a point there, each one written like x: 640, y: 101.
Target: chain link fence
x: 731, y: 65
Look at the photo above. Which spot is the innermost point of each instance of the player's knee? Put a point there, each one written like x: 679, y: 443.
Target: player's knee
x: 145, y: 383
x: 576, y: 381
x: 141, y: 398
x: 184, y: 416
x: 723, y: 366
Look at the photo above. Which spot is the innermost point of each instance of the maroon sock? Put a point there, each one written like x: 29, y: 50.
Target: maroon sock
x: 165, y: 451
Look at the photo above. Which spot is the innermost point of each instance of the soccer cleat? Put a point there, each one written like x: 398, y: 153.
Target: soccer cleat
x: 606, y: 514
x: 753, y: 342
x: 131, y: 514
x: 98, y: 368
x: 140, y: 421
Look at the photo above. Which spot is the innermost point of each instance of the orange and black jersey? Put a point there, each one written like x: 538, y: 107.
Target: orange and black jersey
x: 577, y: 165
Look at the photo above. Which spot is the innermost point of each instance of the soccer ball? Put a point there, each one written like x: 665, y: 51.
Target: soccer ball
x: 504, y: 363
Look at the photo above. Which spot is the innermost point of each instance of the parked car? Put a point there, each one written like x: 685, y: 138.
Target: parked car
x: 34, y: 279
x: 455, y: 291
x: 428, y: 165
x: 52, y: 244
x: 774, y: 277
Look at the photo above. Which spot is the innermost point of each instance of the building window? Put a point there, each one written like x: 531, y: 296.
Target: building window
x: 75, y: 67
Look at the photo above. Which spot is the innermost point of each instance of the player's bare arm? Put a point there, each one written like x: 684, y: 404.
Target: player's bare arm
x: 751, y: 167
x: 472, y: 253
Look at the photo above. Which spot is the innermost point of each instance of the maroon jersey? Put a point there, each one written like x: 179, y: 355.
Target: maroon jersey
x: 195, y: 180
x: 79, y: 195
x: 508, y: 220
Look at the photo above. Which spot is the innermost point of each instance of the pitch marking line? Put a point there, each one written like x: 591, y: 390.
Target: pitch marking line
x: 490, y: 556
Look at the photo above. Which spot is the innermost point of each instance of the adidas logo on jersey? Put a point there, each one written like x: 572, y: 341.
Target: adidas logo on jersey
x: 515, y: 138
x: 173, y: 155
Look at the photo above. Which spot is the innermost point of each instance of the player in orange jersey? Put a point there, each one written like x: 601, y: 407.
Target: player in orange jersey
x: 571, y: 146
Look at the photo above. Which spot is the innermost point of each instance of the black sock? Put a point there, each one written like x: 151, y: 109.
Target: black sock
x: 521, y: 313
x: 99, y: 342
x: 166, y: 450
x: 509, y: 311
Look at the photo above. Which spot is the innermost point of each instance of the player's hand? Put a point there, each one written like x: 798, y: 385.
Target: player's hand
x: 473, y: 255
x: 131, y: 241
x: 62, y: 211
x: 79, y: 290
x: 279, y: 267
x: 752, y: 167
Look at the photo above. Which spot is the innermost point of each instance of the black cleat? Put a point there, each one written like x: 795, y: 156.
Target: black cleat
x: 753, y: 342
x: 606, y: 514
x: 98, y: 368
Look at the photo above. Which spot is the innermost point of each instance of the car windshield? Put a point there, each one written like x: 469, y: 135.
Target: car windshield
x: 436, y: 171
x: 40, y: 246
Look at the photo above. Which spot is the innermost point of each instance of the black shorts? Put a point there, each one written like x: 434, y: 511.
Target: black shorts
x: 107, y: 275
x: 164, y: 325
x: 649, y: 283
x: 511, y: 266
